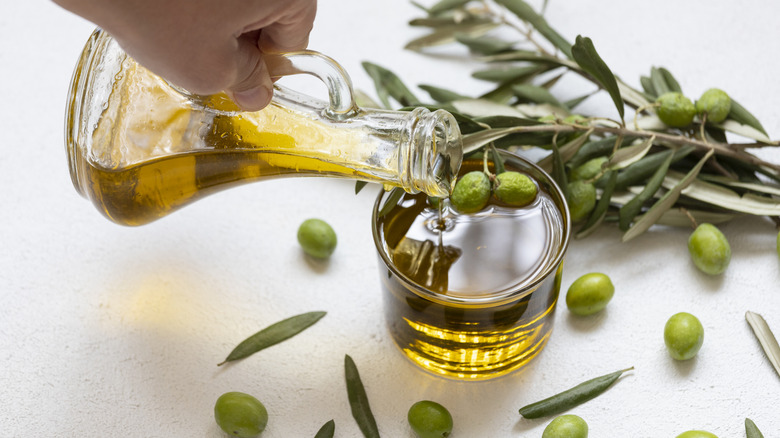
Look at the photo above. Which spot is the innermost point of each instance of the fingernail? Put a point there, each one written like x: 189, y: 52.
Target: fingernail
x: 253, y: 99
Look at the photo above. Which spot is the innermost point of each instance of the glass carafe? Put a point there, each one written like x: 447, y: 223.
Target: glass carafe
x: 140, y: 148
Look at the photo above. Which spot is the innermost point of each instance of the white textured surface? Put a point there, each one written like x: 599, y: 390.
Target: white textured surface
x: 112, y: 331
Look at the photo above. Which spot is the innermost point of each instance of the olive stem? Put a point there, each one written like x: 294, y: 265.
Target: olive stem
x: 719, y: 148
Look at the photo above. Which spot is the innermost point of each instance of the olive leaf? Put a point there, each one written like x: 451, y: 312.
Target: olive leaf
x: 441, y: 94
x: 359, y: 186
x: 663, y: 82
x: 389, y: 85
x: 510, y: 74
x: 566, y: 152
x: 273, y: 335
x: 483, y: 44
x: 358, y: 400
x: 765, y: 337
x: 760, y: 188
x: 447, y: 34
x: 678, y: 218
x: 526, y: 13
x: 392, y: 200
x: 741, y: 115
x: 632, y: 208
x: 744, y: 130
x: 446, y: 5
x: 485, y: 108
x: 570, y: 398
x: 473, y: 142
x: 585, y: 55
x: 659, y: 82
x: 665, y: 203
x: 536, y: 94
x: 751, y: 430
x: 723, y: 197
x: 644, y: 168
x: 558, y: 172
x: 647, y: 86
x: 327, y: 430
x: 629, y: 155
x: 671, y: 82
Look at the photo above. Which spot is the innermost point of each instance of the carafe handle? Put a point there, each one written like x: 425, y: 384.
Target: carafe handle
x: 341, y: 103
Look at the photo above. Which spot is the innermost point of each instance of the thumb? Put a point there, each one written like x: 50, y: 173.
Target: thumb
x: 252, y: 90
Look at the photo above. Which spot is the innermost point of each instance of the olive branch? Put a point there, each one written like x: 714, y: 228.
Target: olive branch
x: 650, y: 172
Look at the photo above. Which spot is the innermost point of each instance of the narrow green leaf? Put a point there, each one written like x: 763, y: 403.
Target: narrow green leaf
x: 751, y: 430
x: 740, y: 114
x: 446, y: 5
x: 629, y: 155
x: 644, y: 168
x: 358, y: 400
x: 441, y: 94
x: 600, y: 211
x: 659, y: 82
x: 676, y: 218
x: 510, y: 74
x: 647, y: 85
x: 391, y: 201
x: 484, y: 44
x: 473, y: 142
x: 536, y: 94
x: 586, y: 56
x: 746, y: 131
x: 596, y: 148
x: 498, y: 162
x: 389, y: 85
x: 671, y: 82
x: 327, y: 430
x: 573, y: 103
x: 446, y: 34
x: 485, y: 108
x: 755, y: 187
x: 723, y: 197
x: 633, y: 207
x: 665, y: 203
x: 363, y: 100
x: 565, y: 152
x: 558, y: 172
x: 359, y: 186
x: 632, y: 96
x: 570, y: 398
x: 765, y: 337
x: 526, y: 13
x: 273, y: 334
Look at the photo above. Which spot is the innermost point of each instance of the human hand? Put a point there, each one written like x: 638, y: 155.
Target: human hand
x: 206, y: 46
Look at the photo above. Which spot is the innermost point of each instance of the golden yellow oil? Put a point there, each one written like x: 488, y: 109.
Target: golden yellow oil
x: 456, y: 327
x: 152, y: 154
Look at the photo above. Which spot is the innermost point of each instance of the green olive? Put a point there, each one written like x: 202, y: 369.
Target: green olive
x: 696, y: 434
x: 715, y: 103
x: 566, y: 426
x: 581, y: 200
x: 515, y: 189
x: 240, y: 414
x: 317, y: 238
x: 471, y: 192
x: 589, y: 294
x: 587, y: 170
x: 675, y: 109
x: 709, y: 249
x: 683, y: 336
x: 430, y: 419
